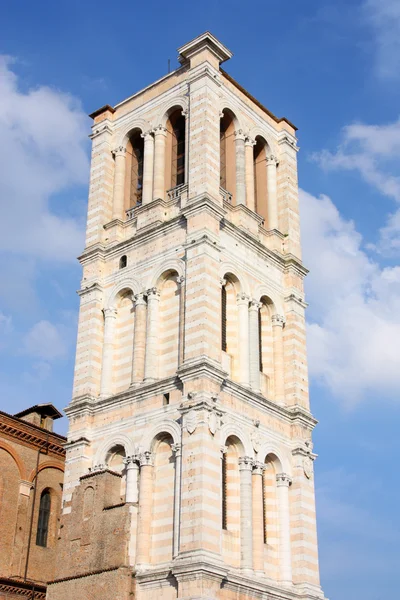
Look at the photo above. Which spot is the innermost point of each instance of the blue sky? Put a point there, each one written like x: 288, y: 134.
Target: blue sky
x: 333, y: 68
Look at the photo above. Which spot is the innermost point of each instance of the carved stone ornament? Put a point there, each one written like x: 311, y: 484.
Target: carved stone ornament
x: 256, y: 440
x: 213, y: 422
x: 191, y: 421
x: 308, y: 467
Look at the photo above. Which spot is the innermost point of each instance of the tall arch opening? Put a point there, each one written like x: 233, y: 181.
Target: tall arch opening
x: 123, y: 341
x: 115, y: 462
x: 271, y: 517
x: 42, y: 532
x: 175, y: 149
x: 230, y: 505
x: 134, y: 170
x: 229, y: 325
x: 265, y: 341
x: 227, y: 153
x: 163, y: 500
x: 169, y: 331
x: 260, y: 177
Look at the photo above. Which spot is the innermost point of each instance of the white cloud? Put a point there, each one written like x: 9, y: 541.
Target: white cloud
x: 374, y: 152
x: 354, y: 315
x: 383, y: 16
x: 42, y: 154
x: 46, y: 341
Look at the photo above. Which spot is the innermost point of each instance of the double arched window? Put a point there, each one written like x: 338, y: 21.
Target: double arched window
x: 43, y: 519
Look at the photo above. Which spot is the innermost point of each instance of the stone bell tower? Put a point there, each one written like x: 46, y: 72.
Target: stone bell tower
x: 189, y: 469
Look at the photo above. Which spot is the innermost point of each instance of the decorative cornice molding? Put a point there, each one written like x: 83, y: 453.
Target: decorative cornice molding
x: 28, y: 434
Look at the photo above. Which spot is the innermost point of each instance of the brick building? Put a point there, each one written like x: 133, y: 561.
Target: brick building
x: 31, y: 474
x: 189, y: 466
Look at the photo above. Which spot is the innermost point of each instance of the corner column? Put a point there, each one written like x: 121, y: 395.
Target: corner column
x: 254, y: 345
x: 250, y: 190
x: 148, y: 167
x: 279, y: 374
x: 246, y: 510
x: 151, y: 359
x: 272, y: 197
x: 145, y: 507
x: 283, y: 482
x: 119, y: 183
x: 258, y: 517
x: 176, y: 448
x: 240, y: 168
x: 160, y: 134
x: 132, y: 478
x: 110, y: 317
x: 243, y: 310
x: 139, y: 339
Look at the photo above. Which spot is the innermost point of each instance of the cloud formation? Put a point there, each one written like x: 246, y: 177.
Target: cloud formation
x: 383, y: 16
x: 354, y: 314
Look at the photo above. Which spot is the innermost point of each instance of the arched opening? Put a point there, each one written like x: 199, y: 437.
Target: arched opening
x: 88, y: 503
x: 169, y: 327
x: 271, y: 516
x: 266, y: 347
x: 230, y: 505
x: 123, y: 341
x: 227, y: 153
x: 123, y: 261
x: 43, y: 518
x: 260, y: 177
x: 115, y: 462
x: 134, y: 170
x: 229, y: 325
x: 175, y: 149
x: 161, y: 535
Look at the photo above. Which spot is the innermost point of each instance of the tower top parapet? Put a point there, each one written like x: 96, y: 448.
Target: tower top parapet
x: 203, y: 43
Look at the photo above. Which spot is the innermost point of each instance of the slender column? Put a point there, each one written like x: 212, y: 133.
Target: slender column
x: 240, y: 168
x: 148, y: 167
x: 279, y: 372
x: 254, y: 345
x: 145, y: 507
x: 139, y: 339
x: 250, y: 191
x: 246, y: 509
x: 181, y: 354
x: 151, y: 359
x: 243, y: 312
x: 176, y: 448
x: 285, y: 554
x: 160, y: 134
x: 119, y: 183
x: 132, y: 475
x: 110, y: 316
x: 258, y: 517
x: 272, y: 197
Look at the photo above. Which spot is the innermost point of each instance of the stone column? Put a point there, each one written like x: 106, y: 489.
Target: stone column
x: 160, y: 134
x: 279, y: 373
x: 246, y: 509
x: 250, y: 191
x: 151, y: 360
x: 243, y: 314
x: 176, y: 448
x: 240, y: 168
x: 110, y: 317
x: 181, y: 352
x: 258, y: 517
x: 148, y: 167
x: 145, y: 508
x: 272, y: 197
x: 285, y: 554
x: 132, y: 474
x: 254, y: 345
x: 118, y: 211
x: 139, y: 339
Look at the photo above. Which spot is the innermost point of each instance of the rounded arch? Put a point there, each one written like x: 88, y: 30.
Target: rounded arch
x: 17, y: 459
x: 233, y: 429
x: 179, y: 102
x: 46, y: 465
x: 236, y: 276
x: 226, y: 106
x: 128, y: 283
x: 112, y: 441
x: 258, y: 131
x: 163, y: 269
x: 167, y: 427
x: 129, y: 129
x: 264, y: 291
x: 280, y: 457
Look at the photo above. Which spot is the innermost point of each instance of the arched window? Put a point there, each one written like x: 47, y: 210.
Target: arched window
x: 224, y: 476
x: 230, y: 486
x: 134, y: 183
x: 260, y: 177
x: 176, y: 149
x: 123, y: 261
x: 43, y: 520
x: 265, y: 341
x: 227, y: 154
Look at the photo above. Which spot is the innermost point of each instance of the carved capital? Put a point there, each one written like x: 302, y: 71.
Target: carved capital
x: 146, y: 459
x: 176, y: 449
x: 239, y: 135
x: 222, y: 282
x: 119, y: 151
x: 258, y: 468
x: 283, y: 480
x: 272, y: 160
x: 249, y: 141
x: 245, y: 463
x: 147, y: 136
x: 160, y: 130
x: 140, y: 299
x: 277, y: 320
x: 153, y: 294
x: 180, y: 280
x: 254, y: 305
x: 110, y: 313
x: 242, y: 298
x: 132, y: 461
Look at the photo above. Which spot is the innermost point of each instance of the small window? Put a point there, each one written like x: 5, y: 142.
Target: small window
x: 166, y: 399
x: 43, y: 520
x: 123, y: 261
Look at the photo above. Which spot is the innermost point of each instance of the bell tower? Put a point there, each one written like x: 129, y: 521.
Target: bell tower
x: 189, y: 469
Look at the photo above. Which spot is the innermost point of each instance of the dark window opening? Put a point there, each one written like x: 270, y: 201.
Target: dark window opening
x: 264, y: 500
x: 166, y: 399
x: 223, y: 319
x: 224, y: 493
x: 137, y: 170
x: 260, y: 346
x: 123, y: 261
x: 178, y: 149
x: 43, y: 520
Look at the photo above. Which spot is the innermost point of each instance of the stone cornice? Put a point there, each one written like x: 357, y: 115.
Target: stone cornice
x: 32, y: 435
x: 203, y: 203
x: 94, y: 287
x: 13, y: 587
x: 202, y: 367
